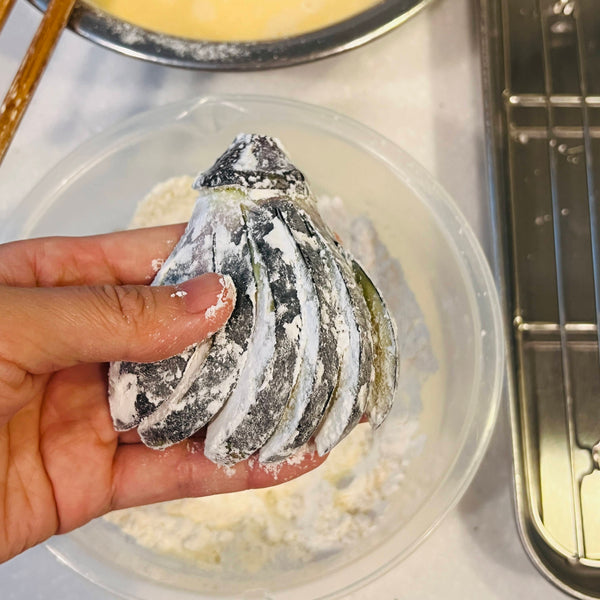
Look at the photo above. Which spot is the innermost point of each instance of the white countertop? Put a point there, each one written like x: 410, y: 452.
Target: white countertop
x: 419, y: 86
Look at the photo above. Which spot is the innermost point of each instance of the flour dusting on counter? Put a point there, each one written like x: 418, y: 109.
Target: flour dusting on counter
x: 338, y: 504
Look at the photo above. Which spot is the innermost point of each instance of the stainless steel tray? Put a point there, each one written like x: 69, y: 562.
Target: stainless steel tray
x: 541, y: 75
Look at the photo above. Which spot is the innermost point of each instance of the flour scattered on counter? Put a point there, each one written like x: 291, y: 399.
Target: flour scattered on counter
x: 340, y: 503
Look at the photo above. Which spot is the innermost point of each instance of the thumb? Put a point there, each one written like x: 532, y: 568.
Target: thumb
x: 46, y: 329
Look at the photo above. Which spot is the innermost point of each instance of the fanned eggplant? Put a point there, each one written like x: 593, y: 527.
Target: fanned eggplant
x: 310, y: 346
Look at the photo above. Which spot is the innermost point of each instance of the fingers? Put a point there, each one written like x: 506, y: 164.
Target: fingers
x: 46, y: 329
x: 93, y: 470
x: 184, y: 472
x: 123, y: 257
x: 131, y: 436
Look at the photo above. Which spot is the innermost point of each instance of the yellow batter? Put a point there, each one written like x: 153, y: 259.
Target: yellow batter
x: 231, y: 20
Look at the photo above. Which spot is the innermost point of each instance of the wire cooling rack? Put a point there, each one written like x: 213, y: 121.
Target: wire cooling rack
x: 541, y: 71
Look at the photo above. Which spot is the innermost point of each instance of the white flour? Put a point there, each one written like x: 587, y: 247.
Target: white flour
x: 228, y: 291
x: 324, y: 511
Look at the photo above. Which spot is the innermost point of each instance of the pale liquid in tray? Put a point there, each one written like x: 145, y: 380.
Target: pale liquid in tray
x: 233, y: 20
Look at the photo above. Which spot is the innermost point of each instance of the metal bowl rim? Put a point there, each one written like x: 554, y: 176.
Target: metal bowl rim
x: 113, y: 33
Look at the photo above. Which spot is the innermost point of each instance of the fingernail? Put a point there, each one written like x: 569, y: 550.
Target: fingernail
x: 207, y: 292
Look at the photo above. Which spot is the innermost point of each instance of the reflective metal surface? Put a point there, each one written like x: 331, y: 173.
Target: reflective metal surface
x: 541, y: 67
x: 131, y: 40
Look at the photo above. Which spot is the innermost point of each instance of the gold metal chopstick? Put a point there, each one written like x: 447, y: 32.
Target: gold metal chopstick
x: 5, y: 8
x: 23, y: 86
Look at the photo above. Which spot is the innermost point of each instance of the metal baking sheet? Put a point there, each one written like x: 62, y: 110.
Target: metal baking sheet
x: 541, y: 76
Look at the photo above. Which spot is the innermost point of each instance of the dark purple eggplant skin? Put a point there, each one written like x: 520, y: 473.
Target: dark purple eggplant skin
x: 320, y: 269
x: 271, y: 400
x: 254, y: 161
x: 157, y: 381
x: 221, y: 363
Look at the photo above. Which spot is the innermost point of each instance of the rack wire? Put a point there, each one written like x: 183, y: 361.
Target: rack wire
x: 541, y: 67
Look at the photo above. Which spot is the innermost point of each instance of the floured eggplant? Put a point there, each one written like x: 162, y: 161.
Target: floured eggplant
x: 203, y: 392
x: 136, y: 390
x: 246, y: 423
x: 310, y: 347
x: 385, y: 351
x: 349, y: 400
x: 319, y: 376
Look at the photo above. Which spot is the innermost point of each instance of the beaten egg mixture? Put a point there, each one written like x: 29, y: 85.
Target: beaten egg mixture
x: 233, y: 20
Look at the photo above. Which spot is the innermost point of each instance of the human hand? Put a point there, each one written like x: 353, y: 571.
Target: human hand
x: 67, y: 307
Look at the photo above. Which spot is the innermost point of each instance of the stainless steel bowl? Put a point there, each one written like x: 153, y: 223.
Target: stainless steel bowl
x: 113, y: 33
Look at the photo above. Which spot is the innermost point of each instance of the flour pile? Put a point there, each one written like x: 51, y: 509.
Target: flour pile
x: 338, y: 504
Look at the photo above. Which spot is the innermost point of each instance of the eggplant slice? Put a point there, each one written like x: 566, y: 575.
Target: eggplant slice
x: 316, y: 384
x: 310, y: 346
x: 136, y: 390
x: 213, y: 379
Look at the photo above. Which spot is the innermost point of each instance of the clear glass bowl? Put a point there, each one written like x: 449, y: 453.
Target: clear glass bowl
x: 96, y: 189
